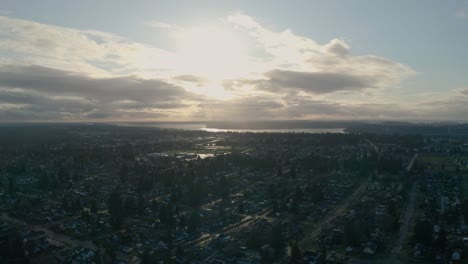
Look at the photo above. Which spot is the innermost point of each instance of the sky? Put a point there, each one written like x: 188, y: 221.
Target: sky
x: 233, y: 60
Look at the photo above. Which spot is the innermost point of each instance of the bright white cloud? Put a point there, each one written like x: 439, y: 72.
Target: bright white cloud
x: 160, y: 25
x: 239, y: 69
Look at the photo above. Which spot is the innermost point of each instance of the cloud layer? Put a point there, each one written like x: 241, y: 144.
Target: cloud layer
x: 42, y: 92
x: 49, y: 72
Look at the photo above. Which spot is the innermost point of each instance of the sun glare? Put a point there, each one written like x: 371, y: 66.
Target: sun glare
x: 213, y: 53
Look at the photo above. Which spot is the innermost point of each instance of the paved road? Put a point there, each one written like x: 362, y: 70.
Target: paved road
x: 408, y: 219
x: 244, y: 222
x: 338, y: 211
x: 376, y: 149
x: 411, y: 163
x: 63, y: 239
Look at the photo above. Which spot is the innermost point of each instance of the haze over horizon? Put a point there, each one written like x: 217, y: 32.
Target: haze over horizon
x: 238, y: 60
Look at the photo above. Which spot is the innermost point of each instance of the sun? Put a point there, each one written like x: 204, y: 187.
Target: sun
x: 212, y: 52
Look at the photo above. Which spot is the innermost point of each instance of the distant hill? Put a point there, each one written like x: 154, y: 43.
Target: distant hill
x: 384, y: 127
x: 253, y: 125
x: 410, y: 129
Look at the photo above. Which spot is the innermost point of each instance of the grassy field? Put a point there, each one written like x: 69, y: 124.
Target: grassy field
x: 435, y: 159
x: 435, y: 162
x: 202, y: 150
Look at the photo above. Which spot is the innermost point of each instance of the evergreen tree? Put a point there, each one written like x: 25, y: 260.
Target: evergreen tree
x: 194, y: 220
x: 323, y: 256
x: 295, y: 252
x: 277, y: 240
x: 115, y: 209
x: 93, y: 206
x: 141, y: 205
x: 43, y: 181
x: 129, y: 206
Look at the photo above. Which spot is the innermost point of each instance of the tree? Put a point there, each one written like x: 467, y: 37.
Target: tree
x: 441, y: 241
x: 423, y: 232
x: 147, y: 258
x: 323, y: 256
x: 295, y: 252
x: 223, y: 188
x: 15, y: 248
x: 123, y: 174
x: 115, y: 209
x: 11, y: 185
x: 294, y: 207
x: 141, y: 205
x: 166, y: 215
x: 241, y: 209
x: 292, y: 172
x: 129, y: 206
x: 93, y: 206
x: 194, y: 220
x: 354, y: 230
x: 43, y: 181
x: 316, y: 194
x: 464, y: 208
x: 76, y: 205
x: 279, y: 172
x: 85, y: 215
x: 277, y: 240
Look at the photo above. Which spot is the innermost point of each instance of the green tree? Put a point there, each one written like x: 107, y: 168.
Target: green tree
x: 129, y: 206
x: 194, y: 220
x: 141, y: 205
x: 93, y: 206
x: 277, y: 239
x: 15, y: 248
x: 323, y: 256
x: 423, y: 232
x: 43, y: 181
x: 295, y: 252
x: 115, y: 209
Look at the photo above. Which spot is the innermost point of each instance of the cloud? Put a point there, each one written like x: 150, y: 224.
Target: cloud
x: 296, y: 62
x: 161, y: 25
x: 310, y: 108
x: 249, y: 108
x: 462, y: 14
x: 56, y: 73
x: 296, y: 108
x: 91, y: 52
x: 46, y: 90
x: 312, y: 82
x: 464, y: 91
x: 191, y: 78
x: 337, y: 47
x: 444, y: 105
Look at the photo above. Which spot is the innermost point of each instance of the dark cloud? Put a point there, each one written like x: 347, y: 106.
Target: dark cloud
x: 449, y: 108
x: 247, y: 108
x: 311, y: 82
x: 464, y: 92
x: 191, y: 78
x: 63, y: 93
x: 58, y: 82
x: 303, y: 108
x: 337, y: 47
x: 293, y: 107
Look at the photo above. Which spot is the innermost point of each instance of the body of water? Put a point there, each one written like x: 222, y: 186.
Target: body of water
x: 202, y: 126
x: 280, y: 130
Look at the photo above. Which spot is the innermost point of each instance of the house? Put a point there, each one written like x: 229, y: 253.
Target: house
x: 369, y: 248
x: 456, y: 257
